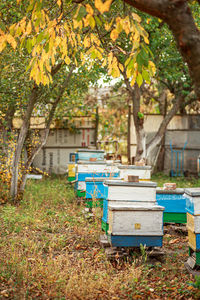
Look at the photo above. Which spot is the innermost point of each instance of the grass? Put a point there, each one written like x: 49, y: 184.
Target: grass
x: 49, y: 250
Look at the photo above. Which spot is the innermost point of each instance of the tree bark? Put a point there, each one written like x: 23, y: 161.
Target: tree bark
x: 156, y: 140
x: 46, y: 132
x: 20, y: 144
x: 178, y: 16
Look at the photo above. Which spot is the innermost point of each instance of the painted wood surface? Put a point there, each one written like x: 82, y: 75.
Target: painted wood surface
x: 130, y: 191
x: 179, y: 218
x: 193, y: 223
x: 193, y: 204
x: 135, y: 241
x: 194, y: 240
x: 120, y: 203
x: 130, y: 220
x: 95, y: 189
x: 82, y: 176
x: 86, y: 154
x: 142, y: 172
x: 173, y: 202
x: 97, y: 168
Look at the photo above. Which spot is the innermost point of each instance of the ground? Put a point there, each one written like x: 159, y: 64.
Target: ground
x: 49, y: 250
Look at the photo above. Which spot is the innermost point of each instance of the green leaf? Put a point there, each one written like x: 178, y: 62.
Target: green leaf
x: 139, y: 79
x: 29, y: 46
x: 81, y: 14
x: 145, y: 75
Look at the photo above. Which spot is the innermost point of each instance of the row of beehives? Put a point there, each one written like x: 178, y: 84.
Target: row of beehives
x: 131, y: 215
x: 83, y: 167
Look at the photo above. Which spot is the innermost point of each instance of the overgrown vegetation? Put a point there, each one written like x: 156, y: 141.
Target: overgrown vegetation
x: 49, y: 250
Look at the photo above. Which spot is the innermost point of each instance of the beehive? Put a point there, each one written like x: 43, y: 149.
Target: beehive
x: 93, y: 170
x: 193, y: 223
x: 119, y: 192
x: 144, y: 172
x: 131, y: 226
x: 174, y: 202
x: 193, y: 200
x: 87, y: 154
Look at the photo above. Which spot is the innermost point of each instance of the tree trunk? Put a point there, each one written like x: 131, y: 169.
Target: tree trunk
x: 178, y: 16
x: 156, y: 140
x: 20, y: 144
x: 46, y: 132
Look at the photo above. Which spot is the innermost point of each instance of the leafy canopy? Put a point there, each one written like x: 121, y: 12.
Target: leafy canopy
x: 64, y: 30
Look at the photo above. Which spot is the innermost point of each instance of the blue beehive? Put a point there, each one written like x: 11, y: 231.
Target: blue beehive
x: 174, y: 202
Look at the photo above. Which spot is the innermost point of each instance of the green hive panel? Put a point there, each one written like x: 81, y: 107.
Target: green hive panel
x: 80, y: 193
x: 174, y: 218
x: 71, y: 178
x: 94, y: 203
x: 104, y: 226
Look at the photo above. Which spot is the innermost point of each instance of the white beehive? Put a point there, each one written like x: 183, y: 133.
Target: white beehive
x: 130, y: 191
x: 136, y: 221
x: 144, y: 172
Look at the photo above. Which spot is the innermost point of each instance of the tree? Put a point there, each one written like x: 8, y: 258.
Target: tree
x: 178, y: 16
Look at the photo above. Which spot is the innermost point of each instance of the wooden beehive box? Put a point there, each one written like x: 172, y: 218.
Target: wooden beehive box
x: 193, y: 200
x: 87, y: 154
x: 130, y: 191
x: 95, y: 188
x: 193, y: 223
x: 132, y: 220
x: 131, y: 226
x: 144, y: 172
x: 174, y: 202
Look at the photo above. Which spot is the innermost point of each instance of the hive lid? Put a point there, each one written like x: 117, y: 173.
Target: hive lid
x: 95, y: 179
x: 176, y: 191
x: 131, y: 184
x: 134, y: 208
x: 85, y: 162
x: 135, y: 167
x: 194, y: 192
x: 90, y: 151
x: 100, y: 179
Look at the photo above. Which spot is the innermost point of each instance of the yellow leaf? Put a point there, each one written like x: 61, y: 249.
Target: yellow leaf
x: 121, y: 67
x: 86, y: 42
x: 146, y: 40
x: 89, y: 9
x: 59, y: 2
x: 67, y: 60
x: 103, y: 6
x: 136, y: 17
x: 29, y: 27
x: 10, y: 39
x: 114, y: 34
x: 91, y: 22
x: 104, y: 62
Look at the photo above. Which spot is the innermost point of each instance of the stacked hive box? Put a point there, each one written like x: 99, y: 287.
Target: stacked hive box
x: 193, y: 224
x: 94, y: 191
x: 90, y: 169
x: 144, y: 172
x: 174, y: 202
x: 132, y: 215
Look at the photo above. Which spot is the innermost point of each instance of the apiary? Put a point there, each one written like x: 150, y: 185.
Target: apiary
x: 174, y: 203
x: 131, y: 226
x: 144, y: 172
x: 193, y: 225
